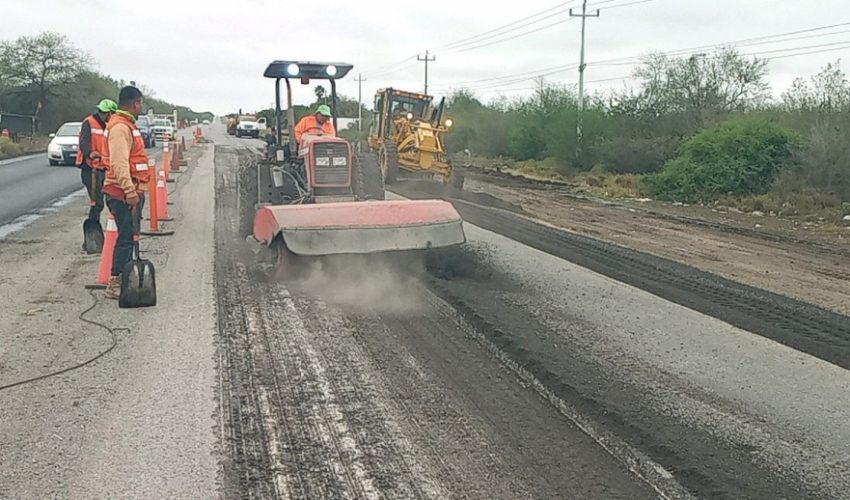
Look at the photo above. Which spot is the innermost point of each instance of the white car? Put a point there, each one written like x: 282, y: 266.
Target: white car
x: 63, y: 145
x: 161, y: 127
x: 248, y: 128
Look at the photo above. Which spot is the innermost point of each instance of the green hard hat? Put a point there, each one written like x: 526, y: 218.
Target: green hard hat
x: 324, y: 109
x: 107, y: 106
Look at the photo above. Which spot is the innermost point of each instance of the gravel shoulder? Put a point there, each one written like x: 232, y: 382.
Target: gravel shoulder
x: 139, y: 421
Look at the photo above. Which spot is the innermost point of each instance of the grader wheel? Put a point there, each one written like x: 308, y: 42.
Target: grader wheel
x: 388, y: 159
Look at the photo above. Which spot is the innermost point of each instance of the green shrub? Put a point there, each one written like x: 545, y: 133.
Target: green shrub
x: 736, y: 157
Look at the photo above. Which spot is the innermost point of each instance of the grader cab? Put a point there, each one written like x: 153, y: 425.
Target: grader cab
x: 408, y: 135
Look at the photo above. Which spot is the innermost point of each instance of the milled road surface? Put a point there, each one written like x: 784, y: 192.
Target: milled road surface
x: 366, y: 385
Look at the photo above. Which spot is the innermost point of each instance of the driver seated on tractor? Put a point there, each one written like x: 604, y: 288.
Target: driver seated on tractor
x: 320, y: 120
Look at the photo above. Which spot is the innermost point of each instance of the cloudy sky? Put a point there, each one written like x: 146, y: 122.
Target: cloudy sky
x: 211, y: 55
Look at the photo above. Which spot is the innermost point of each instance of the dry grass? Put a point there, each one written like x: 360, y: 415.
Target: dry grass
x: 9, y: 149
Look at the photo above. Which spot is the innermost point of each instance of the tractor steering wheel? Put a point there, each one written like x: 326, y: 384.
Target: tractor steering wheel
x: 320, y: 129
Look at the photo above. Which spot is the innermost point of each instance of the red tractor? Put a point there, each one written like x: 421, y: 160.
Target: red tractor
x: 321, y: 197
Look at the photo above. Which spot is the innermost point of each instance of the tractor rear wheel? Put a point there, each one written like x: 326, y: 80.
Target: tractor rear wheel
x: 389, y: 162
x: 367, y: 182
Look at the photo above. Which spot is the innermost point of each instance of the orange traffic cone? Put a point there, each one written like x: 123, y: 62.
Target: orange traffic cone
x: 162, y: 198
x: 153, y: 209
x: 109, y: 240
x: 175, y: 159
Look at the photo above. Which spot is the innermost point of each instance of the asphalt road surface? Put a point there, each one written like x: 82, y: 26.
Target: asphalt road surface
x: 30, y: 184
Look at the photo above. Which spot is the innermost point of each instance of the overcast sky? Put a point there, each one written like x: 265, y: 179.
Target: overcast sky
x: 211, y: 55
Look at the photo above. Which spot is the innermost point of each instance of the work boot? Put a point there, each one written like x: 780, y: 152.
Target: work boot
x: 113, y: 288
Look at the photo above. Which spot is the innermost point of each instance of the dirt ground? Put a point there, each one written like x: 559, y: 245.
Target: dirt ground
x: 778, y: 255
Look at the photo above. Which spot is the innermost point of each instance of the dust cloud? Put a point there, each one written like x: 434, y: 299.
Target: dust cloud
x: 383, y: 283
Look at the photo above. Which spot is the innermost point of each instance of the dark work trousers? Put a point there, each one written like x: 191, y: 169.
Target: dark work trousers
x: 85, y: 175
x: 124, y: 214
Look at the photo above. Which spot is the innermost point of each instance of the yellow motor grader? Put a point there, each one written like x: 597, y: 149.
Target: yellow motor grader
x: 408, y: 134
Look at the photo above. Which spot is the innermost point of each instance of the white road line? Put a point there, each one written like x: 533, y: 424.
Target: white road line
x: 25, y: 220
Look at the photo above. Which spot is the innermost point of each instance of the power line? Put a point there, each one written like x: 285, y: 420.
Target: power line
x: 460, y: 49
x: 479, y: 40
x: 515, y: 75
x: 389, y: 68
x: 631, y: 60
x: 468, y: 39
x: 514, y: 37
x: 745, y: 42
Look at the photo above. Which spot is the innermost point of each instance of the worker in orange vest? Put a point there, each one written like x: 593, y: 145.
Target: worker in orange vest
x: 320, y: 122
x: 127, y: 178
x: 92, y: 156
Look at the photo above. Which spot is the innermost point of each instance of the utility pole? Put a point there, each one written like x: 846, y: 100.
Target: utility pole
x: 584, y: 15
x: 359, y: 81
x: 426, y: 59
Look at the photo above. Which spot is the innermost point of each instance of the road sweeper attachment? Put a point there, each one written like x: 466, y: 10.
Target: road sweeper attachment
x: 315, y: 195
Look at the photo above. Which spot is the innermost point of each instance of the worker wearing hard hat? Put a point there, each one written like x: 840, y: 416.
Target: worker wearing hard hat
x: 319, y: 121
x: 92, y: 156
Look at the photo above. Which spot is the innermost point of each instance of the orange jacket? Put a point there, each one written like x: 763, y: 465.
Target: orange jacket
x: 309, y: 122
x: 128, y: 162
x: 99, y: 155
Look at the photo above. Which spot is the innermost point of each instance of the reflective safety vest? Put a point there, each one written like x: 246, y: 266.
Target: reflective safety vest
x: 139, y: 169
x: 98, y: 145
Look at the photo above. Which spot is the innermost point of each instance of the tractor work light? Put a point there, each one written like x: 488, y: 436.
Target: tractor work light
x: 409, y: 116
x: 331, y: 70
x: 293, y: 69
x: 449, y: 122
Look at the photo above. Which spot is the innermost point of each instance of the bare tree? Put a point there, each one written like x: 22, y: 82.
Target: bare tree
x: 701, y: 84
x: 827, y: 92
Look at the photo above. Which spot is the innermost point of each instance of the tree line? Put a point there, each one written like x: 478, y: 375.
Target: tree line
x: 694, y: 128
x: 47, y: 76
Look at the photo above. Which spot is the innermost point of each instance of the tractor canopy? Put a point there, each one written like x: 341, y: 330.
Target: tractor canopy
x: 307, y: 69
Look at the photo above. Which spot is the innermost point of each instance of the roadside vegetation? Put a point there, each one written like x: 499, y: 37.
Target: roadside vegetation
x: 702, y: 129
x: 46, y: 76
